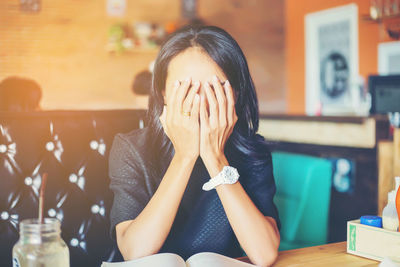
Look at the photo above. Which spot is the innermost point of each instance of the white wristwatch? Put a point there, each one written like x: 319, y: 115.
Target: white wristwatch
x: 228, y: 175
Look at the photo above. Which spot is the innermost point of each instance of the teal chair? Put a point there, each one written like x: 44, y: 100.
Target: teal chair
x: 303, y: 186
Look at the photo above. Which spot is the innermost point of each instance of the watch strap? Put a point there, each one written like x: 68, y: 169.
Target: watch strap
x: 213, y: 182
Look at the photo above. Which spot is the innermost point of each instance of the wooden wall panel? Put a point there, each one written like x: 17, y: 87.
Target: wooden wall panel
x: 63, y: 48
x: 258, y: 26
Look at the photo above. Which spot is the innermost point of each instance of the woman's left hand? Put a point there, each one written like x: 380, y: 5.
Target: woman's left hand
x: 216, y: 125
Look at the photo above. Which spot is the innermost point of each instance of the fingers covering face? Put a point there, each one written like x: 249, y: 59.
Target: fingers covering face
x: 221, y: 99
x: 231, y: 114
x: 203, y: 111
x: 163, y: 119
x: 181, y: 94
x: 212, y: 104
x: 187, y: 103
x: 195, y: 108
x: 184, y: 98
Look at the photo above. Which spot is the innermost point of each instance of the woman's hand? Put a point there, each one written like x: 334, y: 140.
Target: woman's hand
x: 180, y: 118
x: 180, y: 121
x: 217, y: 125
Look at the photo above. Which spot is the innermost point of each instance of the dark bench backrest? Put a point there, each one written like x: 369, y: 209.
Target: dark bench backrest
x: 72, y: 147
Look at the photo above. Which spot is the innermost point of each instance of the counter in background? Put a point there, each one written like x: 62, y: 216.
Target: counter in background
x: 353, y: 139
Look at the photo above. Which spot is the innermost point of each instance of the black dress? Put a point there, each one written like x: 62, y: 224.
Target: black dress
x: 201, y: 224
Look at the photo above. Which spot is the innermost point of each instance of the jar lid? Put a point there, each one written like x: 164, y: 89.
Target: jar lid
x: 50, y: 225
x: 371, y: 220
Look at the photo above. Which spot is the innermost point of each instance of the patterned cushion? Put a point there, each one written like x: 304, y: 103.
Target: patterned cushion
x: 72, y: 147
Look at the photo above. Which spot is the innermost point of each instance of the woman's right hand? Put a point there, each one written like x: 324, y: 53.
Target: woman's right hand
x: 155, y: 221
x: 180, y: 118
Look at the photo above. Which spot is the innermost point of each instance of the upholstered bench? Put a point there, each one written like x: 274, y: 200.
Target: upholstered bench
x: 72, y: 147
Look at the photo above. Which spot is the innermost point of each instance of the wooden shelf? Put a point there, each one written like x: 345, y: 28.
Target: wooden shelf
x: 357, y: 132
x: 381, y: 19
x: 391, y: 23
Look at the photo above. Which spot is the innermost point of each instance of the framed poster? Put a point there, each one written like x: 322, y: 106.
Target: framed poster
x: 331, y: 45
x: 389, y: 58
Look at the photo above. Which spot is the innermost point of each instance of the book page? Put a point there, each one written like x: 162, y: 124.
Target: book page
x: 214, y: 260
x: 162, y: 260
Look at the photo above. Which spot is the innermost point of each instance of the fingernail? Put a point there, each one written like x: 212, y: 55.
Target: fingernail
x: 227, y: 83
x: 176, y: 84
x: 187, y: 79
x: 196, y: 83
x: 215, y: 78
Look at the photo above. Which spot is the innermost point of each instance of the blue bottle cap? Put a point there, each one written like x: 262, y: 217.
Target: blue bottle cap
x: 371, y: 220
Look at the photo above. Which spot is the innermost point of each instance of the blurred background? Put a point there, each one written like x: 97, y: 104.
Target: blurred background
x: 86, y: 55
x: 67, y: 47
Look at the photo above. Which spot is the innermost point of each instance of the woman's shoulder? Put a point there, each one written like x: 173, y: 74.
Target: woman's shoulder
x: 134, y: 140
x: 128, y: 149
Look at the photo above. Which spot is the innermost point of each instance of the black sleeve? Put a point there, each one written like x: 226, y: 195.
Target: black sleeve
x: 127, y: 183
x: 259, y: 184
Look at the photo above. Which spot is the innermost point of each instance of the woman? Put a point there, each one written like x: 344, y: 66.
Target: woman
x: 203, y: 119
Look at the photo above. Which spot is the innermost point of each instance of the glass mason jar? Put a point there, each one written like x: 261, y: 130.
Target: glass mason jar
x: 40, y: 245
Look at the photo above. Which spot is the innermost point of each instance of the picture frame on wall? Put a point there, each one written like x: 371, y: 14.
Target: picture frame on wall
x: 389, y: 58
x: 331, y: 45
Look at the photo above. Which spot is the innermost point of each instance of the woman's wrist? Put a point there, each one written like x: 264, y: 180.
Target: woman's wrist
x: 214, y: 163
x: 185, y: 158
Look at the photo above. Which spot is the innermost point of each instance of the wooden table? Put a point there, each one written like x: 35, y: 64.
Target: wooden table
x: 326, y: 255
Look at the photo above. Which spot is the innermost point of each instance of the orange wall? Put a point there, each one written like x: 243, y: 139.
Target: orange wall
x: 369, y: 36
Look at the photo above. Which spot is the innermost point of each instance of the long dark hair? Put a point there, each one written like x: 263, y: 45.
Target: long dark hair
x: 244, y: 143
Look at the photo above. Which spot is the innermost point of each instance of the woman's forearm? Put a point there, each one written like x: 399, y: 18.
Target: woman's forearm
x: 258, y: 235
x: 146, y: 234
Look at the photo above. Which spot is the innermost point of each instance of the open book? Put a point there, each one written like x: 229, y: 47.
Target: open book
x: 203, y: 259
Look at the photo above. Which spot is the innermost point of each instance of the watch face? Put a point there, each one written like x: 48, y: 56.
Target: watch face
x: 231, y: 175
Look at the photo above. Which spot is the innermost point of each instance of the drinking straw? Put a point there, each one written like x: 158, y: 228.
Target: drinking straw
x: 41, y: 197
